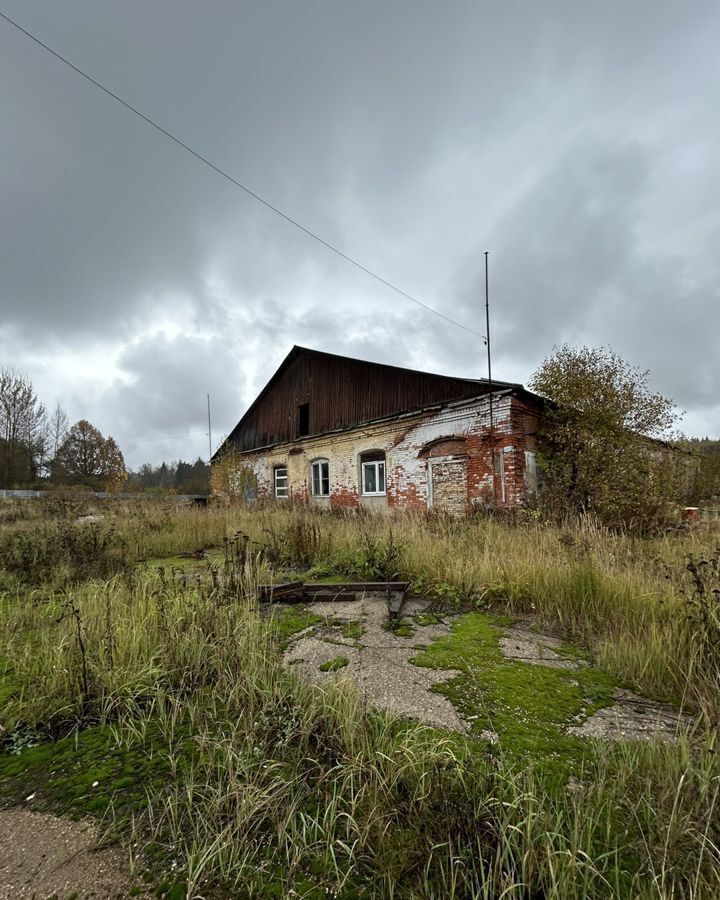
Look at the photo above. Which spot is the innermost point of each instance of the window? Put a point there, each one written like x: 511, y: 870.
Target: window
x: 280, y: 481
x: 320, y: 471
x: 303, y: 420
x: 373, y: 473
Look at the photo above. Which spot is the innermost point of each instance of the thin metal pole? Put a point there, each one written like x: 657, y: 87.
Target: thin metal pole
x: 490, y: 384
x: 209, y: 431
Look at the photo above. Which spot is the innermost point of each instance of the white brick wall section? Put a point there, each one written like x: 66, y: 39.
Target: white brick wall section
x: 405, y: 466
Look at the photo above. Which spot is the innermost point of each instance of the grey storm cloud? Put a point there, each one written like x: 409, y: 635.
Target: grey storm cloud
x: 578, y: 143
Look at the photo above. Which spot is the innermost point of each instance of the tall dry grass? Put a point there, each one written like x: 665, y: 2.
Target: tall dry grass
x: 623, y: 596
x: 285, y: 786
x: 280, y: 786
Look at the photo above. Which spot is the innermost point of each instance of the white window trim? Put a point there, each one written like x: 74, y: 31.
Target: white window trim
x: 374, y: 463
x: 319, y: 462
x: 276, y: 471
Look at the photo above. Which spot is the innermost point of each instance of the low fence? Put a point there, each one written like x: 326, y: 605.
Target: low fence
x: 99, y: 495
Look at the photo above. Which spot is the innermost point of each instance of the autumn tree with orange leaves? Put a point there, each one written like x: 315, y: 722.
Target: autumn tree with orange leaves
x: 86, y: 457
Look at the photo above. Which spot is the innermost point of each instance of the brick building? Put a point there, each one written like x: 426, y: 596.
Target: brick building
x: 338, y: 432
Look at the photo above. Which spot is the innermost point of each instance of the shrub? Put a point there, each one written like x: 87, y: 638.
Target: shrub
x: 63, y: 552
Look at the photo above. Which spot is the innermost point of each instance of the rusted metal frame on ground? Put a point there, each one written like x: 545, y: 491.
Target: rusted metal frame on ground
x: 297, y: 592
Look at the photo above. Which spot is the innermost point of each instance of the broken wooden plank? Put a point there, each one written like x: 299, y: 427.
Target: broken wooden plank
x: 270, y: 592
x: 358, y: 587
x: 395, y: 602
x: 330, y: 596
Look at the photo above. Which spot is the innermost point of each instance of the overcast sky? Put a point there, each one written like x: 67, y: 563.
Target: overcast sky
x: 578, y: 142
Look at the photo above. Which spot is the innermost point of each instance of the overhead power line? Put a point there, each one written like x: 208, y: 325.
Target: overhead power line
x: 234, y: 181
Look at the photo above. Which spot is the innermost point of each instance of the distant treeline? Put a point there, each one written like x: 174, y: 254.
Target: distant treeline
x: 42, y: 451
x: 178, y: 477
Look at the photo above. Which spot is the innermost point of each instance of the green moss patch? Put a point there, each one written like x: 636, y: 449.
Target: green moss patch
x: 83, y: 773
x: 352, y: 630
x: 528, y: 706
x: 401, y: 629
x: 287, y: 621
x: 423, y: 619
x: 332, y: 665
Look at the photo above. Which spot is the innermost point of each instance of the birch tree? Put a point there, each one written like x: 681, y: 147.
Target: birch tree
x: 22, y: 430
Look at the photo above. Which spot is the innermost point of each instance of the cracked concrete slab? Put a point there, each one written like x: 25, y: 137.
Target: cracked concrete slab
x: 379, y: 662
x: 632, y: 718
x: 532, y: 647
x: 629, y: 718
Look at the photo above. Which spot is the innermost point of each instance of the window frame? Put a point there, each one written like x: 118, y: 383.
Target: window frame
x: 323, y: 479
x: 501, y: 455
x: 276, y: 472
x: 374, y: 464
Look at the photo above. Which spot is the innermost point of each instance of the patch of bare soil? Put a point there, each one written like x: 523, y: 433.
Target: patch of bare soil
x: 632, y: 718
x: 43, y: 856
x: 379, y: 660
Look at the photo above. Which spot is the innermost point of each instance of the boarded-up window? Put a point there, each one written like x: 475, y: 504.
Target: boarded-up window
x: 447, y: 487
x: 530, y: 477
x: 503, y: 461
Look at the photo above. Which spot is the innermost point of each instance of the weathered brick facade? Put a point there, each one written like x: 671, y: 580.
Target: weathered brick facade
x: 439, y: 458
x: 341, y: 433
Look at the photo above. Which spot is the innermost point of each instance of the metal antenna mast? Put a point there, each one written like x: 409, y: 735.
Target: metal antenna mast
x: 490, y: 384
x: 209, y: 431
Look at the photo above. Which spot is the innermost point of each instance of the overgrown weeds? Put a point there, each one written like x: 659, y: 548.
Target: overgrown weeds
x: 262, y: 785
x: 279, y: 786
x: 63, y: 552
x: 700, y: 590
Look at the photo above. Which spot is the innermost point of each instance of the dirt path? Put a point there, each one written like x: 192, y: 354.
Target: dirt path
x: 43, y: 856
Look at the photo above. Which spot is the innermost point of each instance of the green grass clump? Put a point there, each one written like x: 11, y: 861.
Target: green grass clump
x: 401, y: 629
x: 424, y: 619
x: 351, y: 630
x: 287, y: 621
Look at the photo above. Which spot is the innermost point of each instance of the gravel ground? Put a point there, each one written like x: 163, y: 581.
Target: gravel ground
x: 380, y: 664
x: 380, y: 661
x: 42, y: 856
